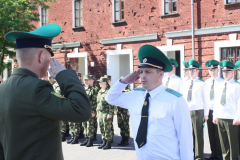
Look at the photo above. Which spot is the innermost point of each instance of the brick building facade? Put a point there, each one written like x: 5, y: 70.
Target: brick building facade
x: 103, y: 36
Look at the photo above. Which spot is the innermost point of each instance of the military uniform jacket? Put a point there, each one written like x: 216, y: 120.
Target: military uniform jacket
x: 169, y: 124
x: 174, y: 83
x: 102, y: 104
x: 30, y: 114
x: 92, y: 95
x: 231, y: 109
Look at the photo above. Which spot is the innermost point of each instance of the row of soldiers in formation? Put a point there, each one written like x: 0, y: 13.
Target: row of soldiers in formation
x: 215, y: 101
x: 101, y: 110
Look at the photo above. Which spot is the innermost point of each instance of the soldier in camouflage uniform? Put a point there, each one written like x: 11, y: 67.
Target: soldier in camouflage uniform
x: 92, y: 78
x: 115, y: 107
x: 89, y: 125
x: 81, y: 126
x: 105, y: 114
x: 57, y: 89
x: 123, y: 123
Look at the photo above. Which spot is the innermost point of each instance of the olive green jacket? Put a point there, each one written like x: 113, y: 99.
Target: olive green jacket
x: 92, y: 95
x: 30, y: 114
x: 102, y: 105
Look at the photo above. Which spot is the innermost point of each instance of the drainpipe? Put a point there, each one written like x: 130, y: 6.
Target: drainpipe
x: 193, y: 45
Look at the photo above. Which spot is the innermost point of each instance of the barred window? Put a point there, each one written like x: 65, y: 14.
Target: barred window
x: 44, y: 16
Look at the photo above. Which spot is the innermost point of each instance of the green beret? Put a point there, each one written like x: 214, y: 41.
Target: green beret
x: 185, y: 65
x: 108, y: 77
x: 211, y: 64
x: 227, y: 65
x: 40, y: 38
x: 151, y: 57
x: 92, y: 77
x: 237, y: 64
x: 86, y: 77
x: 79, y: 74
x: 103, y: 79
x: 173, y: 61
x: 193, y: 64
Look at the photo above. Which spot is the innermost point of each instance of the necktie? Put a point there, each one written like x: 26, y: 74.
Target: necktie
x: 166, y: 85
x: 212, y: 90
x: 189, y: 97
x: 141, y: 138
x: 223, y: 99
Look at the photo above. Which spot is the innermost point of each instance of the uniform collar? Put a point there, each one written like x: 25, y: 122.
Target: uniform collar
x: 215, y: 78
x: 195, y: 79
x: 230, y: 81
x: 153, y: 93
x: 172, y: 76
x: 24, y: 71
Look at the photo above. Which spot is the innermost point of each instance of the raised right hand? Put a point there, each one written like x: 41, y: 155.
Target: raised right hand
x: 132, y: 77
x: 55, y: 67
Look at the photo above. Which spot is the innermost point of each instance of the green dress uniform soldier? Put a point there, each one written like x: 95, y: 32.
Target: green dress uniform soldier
x: 173, y: 81
x: 105, y: 114
x: 89, y: 125
x: 211, y: 84
x: 123, y: 122
x: 226, y: 111
x: 30, y: 110
x: 115, y: 107
x: 92, y: 79
x: 194, y: 94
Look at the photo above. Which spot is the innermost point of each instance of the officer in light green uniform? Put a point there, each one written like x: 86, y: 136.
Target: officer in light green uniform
x: 115, y: 107
x: 123, y: 123
x: 30, y: 110
x: 89, y: 125
x: 105, y: 114
x: 92, y: 77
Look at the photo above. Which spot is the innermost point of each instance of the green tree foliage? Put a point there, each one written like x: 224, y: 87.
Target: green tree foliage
x: 16, y: 15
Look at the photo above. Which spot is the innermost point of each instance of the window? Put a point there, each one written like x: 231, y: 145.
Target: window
x: 233, y: 55
x: 232, y: 1
x: 170, y: 6
x: 78, y: 18
x: 43, y: 16
x: 118, y: 10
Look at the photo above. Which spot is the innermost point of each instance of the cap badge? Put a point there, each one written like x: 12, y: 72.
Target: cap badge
x: 144, y: 60
x: 211, y: 66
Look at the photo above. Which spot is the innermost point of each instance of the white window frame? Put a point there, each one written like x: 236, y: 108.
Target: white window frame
x: 74, y: 15
x: 225, y: 2
x: 113, y: 12
x: 163, y: 8
x: 41, y: 20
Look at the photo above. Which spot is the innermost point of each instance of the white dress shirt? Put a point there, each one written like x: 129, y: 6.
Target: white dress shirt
x: 231, y: 109
x: 208, y: 84
x: 169, y: 134
x: 198, y: 99
x: 174, y: 83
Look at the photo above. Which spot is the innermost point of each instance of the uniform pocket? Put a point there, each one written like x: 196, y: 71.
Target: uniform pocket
x: 157, y: 123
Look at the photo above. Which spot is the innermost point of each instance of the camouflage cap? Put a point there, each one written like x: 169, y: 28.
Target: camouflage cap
x: 108, y: 77
x: 103, y: 79
x: 86, y: 77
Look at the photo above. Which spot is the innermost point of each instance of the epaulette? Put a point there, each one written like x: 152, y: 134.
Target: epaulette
x: 139, y: 89
x: 179, y: 77
x: 201, y: 79
x: 174, y: 92
x: 221, y: 77
x: 237, y: 82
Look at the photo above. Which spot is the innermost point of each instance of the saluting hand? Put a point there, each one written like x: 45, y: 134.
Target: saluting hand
x: 132, y: 77
x: 55, y: 67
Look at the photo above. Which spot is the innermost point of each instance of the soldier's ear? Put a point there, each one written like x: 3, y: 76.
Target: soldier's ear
x: 41, y: 56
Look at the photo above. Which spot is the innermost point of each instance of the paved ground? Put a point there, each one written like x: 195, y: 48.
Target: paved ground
x: 76, y: 152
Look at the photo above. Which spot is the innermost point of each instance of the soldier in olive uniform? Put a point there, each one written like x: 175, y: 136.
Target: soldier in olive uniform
x: 30, y: 110
x: 123, y: 123
x: 91, y: 81
x: 89, y: 125
x: 105, y: 114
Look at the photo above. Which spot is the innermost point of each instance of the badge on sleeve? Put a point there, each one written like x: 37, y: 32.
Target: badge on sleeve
x: 57, y: 95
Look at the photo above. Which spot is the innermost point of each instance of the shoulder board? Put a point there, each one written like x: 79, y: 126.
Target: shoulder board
x: 237, y: 82
x: 201, y: 79
x: 179, y: 77
x: 221, y: 77
x: 139, y: 89
x: 174, y: 92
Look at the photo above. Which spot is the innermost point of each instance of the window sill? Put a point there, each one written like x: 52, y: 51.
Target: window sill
x: 169, y: 15
x: 229, y: 4
x: 118, y: 22
x: 80, y: 27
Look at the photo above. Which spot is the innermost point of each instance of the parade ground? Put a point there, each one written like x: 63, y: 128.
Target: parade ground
x: 77, y: 152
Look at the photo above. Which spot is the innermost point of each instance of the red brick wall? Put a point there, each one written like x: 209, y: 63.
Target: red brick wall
x: 142, y: 17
